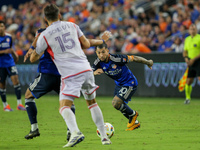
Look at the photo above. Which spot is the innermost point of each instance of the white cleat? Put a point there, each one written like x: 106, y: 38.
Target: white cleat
x: 75, y: 138
x: 106, y: 141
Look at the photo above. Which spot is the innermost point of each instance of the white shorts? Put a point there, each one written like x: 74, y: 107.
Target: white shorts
x: 72, y: 86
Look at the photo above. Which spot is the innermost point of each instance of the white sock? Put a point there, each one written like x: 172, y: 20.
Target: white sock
x: 34, y: 126
x: 5, y: 104
x: 69, y: 118
x: 19, y: 101
x: 97, y: 117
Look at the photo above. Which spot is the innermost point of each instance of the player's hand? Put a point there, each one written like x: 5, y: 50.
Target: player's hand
x: 190, y: 62
x: 28, y: 54
x: 106, y: 35
x: 98, y: 72
x: 150, y: 63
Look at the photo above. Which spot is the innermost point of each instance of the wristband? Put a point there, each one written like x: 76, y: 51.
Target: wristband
x: 103, y: 41
x: 32, y: 47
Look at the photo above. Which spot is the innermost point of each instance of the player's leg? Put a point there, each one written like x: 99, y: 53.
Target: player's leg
x: 188, y: 90
x: 89, y: 92
x: 17, y: 87
x: 13, y: 74
x: 70, y: 120
x: 32, y: 114
x: 97, y: 117
x: 120, y: 100
x: 56, y: 88
x: 3, y: 75
x: 42, y: 84
x: 70, y: 90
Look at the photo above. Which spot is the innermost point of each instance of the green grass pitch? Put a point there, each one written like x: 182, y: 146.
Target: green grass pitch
x: 166, y: 124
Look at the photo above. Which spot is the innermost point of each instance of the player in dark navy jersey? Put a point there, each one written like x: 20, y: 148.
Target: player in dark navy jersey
x: 115, y: 67
x: 47, y: 80
x: 8, y: 68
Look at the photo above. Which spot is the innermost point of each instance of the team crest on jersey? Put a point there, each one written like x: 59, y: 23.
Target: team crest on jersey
x: 124, y: 59
x: 114, y: 66
x: 7, y: 40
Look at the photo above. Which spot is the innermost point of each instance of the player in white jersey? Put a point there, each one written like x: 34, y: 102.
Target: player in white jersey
x: 65, y: 41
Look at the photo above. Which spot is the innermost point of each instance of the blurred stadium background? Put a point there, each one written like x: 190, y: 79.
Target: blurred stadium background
x: 154, y: 29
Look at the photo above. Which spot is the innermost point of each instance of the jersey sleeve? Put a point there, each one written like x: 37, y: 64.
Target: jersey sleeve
x: 119, y: 59
x: 41, y: 45
x: 79, y: 32
x: 96, y: 65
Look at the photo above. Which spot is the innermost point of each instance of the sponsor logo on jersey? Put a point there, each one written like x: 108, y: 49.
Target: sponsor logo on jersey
x: 114, y: 66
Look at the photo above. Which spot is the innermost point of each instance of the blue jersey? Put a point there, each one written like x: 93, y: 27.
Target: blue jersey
x: 117, y: 69
x: 6, y: 60
x: 46, y: 65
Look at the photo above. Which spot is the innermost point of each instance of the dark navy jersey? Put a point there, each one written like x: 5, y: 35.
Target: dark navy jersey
x: 6, y: 60
x: 117, y: 69
x: 46, y: 65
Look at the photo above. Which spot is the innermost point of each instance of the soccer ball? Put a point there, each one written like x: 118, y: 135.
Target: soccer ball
x: 109, y: 130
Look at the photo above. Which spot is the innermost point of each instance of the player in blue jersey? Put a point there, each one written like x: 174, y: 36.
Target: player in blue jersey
x: 47, y: 80
x: 115, y: 67
x: 8, y: 68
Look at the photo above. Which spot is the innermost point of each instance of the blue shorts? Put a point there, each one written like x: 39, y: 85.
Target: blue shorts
x: 9, y: 71
x: 45, y: 83
x: 125, y: 92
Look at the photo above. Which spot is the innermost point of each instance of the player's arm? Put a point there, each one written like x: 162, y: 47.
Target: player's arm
x: 6, y: 51
x: 15, y: 56
x: 138, y: 59
x: 98, y: 71
x: 105, y: 37
x: 85, y: 43
x: 31, y: 49
x: 41, y: 46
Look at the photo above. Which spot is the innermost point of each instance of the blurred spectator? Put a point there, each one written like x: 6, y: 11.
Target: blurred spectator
x: 194, y: 13
x: 124, y: 18
x: 177, y: 46
x: 164, y: 46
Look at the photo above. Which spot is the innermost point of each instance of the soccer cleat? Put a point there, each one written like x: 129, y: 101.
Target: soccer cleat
x: 32, y: 134
x: 132, y: 120
x: 106, y: 141
x: 68, y: 135
x: 135, y: 126
x: 7, y: 108
x: 187, y: 101
x: 21, y: 107
x: 75, y: 138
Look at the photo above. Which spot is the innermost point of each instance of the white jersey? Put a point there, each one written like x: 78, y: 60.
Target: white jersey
x: 61, y: 39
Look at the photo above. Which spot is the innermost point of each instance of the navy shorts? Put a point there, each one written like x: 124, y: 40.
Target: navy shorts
x: 9, y: 71
x: 45, y: 83
x: 125, y: 92
x: 194, y: 70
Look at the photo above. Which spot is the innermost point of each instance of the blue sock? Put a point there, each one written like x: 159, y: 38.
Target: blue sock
x: 3, y: 95
x: 73, y: 108
x: 18, y: 91
x: 31, y: 110
x: 126, y: 111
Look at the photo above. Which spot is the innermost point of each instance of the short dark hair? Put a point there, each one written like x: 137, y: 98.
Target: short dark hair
x: 191, y: 6
x: 51, y: 12
x: 1, y: 21
x: 103, y: 45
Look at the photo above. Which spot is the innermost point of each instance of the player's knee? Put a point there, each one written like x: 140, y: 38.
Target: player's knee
x: 116, y: 104
x: 28, y: 94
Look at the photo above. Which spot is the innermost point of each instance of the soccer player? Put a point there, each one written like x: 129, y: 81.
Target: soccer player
x: 8, y: 68
x: 115, y: 67
x: 191, y: 54
x: 65, y: 41
x: 47, y: 80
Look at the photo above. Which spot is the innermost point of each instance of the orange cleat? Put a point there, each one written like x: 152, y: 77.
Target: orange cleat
x: 7, y: 108
x: 21, y: 107
x: 130, y: 124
